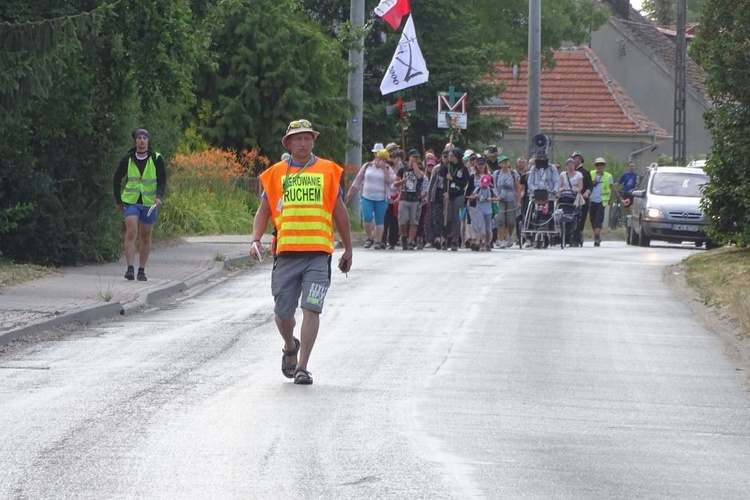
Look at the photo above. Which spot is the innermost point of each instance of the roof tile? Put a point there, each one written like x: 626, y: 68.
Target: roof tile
x: 577, y: 96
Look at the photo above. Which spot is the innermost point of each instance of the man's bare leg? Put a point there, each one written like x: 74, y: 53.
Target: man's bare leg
x: 145, y: 249
x: 286, y: 329
x: 131, y: 231
x: 308, y: 335
x: 413, y: 234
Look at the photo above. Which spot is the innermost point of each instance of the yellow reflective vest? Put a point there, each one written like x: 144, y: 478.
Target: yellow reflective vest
x: 143, y: 186
x: 607, y: 181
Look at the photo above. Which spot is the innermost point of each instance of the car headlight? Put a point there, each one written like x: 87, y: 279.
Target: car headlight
x: 654, y: 213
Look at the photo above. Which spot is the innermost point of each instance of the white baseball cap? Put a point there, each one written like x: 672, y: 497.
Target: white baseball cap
x: 378, y: 147
x: 600, y: 160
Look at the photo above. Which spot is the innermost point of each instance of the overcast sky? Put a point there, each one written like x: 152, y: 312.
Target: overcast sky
x: 636, y: 4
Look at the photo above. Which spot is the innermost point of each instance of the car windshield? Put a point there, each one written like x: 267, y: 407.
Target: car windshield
x: 678, y: 184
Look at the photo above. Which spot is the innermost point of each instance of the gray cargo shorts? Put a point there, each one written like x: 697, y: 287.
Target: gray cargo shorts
x: 306, y: 276
x: 408, y: 212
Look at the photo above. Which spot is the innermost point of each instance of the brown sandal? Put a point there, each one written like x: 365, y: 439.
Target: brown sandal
x: 302, y: 377
x: 288, y: 368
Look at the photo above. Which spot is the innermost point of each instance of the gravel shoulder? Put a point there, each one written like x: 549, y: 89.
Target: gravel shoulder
x: 727, y: 328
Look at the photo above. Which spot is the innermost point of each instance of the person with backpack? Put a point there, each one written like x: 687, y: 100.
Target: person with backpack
x: 390, y: 225
x: 373, y: 181
x: 508, y: 186
x: 482, y: 196
x: 140, y: 198
x: 588, y: 186
x: 603, y: 187
x: 628, y: 183
x: 455, y: 177
x: 413, y: 185
x: 435, y: 197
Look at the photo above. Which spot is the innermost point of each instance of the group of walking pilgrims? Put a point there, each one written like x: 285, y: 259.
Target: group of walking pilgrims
x: 462, y: 199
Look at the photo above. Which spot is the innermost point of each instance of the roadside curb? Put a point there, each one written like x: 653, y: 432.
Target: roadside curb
x: 84, y: 315
x: 89, y: 314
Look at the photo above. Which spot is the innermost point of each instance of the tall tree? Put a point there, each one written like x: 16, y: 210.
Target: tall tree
x: 59, y: 149
x: 721, y: 49
x: 461, y: 42
x: 664, y: 12
x: 31, y: 55
x: 31, y: 51
x: 272, y: 65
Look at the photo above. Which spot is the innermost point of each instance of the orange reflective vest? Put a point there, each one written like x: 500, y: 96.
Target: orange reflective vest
x: 302, y: 202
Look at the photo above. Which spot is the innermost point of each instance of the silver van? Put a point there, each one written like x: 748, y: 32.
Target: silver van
x: 666, y: 207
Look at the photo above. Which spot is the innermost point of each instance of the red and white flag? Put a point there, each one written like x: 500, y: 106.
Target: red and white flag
x: 392, y: 11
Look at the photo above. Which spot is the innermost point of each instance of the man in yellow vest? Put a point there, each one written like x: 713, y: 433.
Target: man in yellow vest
x: 604, y: 186
x: 303, y: 197
x: 146, y: 180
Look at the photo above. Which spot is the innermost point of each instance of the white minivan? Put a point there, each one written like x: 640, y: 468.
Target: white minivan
x: 666, y: 207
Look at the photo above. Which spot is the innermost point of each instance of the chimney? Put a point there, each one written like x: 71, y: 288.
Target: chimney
x: 621, y: 8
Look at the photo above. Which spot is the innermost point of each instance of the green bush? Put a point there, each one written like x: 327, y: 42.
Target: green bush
x: 206, y: 206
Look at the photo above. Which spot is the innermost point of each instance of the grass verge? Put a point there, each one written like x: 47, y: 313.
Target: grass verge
x: 722, y: 279
x: 14, y: 274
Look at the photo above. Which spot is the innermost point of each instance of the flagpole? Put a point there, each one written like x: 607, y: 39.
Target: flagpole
x: 356, y: 77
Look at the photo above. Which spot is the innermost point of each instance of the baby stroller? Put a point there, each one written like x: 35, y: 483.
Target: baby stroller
x: 567, y: 215
x: 539, y: 227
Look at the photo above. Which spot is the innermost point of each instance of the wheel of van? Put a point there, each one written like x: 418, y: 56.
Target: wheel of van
x: 632, y: 236
x: 643, y: 240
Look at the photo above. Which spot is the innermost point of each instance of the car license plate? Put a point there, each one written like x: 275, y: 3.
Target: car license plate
x: 684, y: 227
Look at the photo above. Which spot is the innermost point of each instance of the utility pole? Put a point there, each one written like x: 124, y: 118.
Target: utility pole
x: 535, y: 69
x: 680, y: 136
x: 357, y: 61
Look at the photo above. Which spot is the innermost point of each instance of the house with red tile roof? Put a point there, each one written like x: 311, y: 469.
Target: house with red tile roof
x: 582, y: 108
x: 615, y: 97
x: 641, y: 58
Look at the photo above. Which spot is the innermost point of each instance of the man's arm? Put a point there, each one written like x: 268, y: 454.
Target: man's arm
x: 161, y: 179
x: 588, y: 183
x: 531, y: 180
x: 260, y: 223
x: 463, y: 181
x: 341, y: 220
x: 358, y: 181
x: 122, y: 171
x: 519, y: 189
x: 400, y: 180
x: 613, y: 186
x: 555, y: 179
x: 418, y: 172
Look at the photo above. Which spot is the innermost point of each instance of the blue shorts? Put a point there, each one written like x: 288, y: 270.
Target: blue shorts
x: 373, y: 209
x: 141, y: 212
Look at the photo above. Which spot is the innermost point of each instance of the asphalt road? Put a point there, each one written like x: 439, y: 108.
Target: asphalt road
x: 515, y: 374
